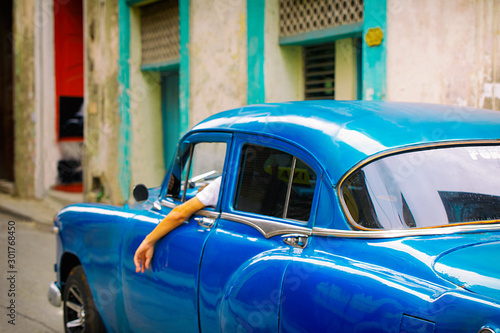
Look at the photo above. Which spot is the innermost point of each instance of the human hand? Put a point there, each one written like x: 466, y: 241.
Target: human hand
x: 143, y: 256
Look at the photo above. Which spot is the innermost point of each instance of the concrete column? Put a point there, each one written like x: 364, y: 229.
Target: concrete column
x: 102, y: 92
x: 47, y: 149
x: 24, y: 98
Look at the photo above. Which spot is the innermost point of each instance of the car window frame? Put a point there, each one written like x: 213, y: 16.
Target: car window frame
x: 242, y: 139
x: 189, y: 141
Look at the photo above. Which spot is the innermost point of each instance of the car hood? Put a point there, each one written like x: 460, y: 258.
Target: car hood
x: 474, y: 267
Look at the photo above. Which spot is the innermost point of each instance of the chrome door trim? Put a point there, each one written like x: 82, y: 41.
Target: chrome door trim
x: 446, y: 230
x: 266, y: 227
x: 208, y: 213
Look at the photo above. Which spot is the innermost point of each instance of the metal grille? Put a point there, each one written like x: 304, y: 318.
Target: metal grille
x: 298, y: 16
x: 160, y: 32
x: 320, y: 71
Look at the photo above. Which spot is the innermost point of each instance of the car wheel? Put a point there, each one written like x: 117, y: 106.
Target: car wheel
x: 80, y: 313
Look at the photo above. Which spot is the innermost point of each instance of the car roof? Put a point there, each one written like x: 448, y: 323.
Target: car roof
x: 341, y: 134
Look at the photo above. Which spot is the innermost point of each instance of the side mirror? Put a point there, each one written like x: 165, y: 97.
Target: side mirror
x: 140, y: 193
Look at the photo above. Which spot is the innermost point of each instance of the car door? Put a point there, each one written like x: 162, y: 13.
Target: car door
x: 164, y: 298
x: 267, y: 215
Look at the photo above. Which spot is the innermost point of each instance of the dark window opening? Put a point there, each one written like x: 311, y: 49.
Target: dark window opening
x: 274, y: 183
x: 319, y: 68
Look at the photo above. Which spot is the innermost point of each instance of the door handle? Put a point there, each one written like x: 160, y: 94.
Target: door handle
x: 296, y: 240
x: 206, y: 222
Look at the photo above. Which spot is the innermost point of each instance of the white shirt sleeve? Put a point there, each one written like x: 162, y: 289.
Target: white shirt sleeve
x: 210, y: 194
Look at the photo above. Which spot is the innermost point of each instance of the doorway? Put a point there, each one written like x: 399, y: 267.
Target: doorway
x: 170, y: 114
x: 6, y: 95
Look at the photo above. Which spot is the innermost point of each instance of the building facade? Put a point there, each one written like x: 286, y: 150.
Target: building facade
x: 104, y: 104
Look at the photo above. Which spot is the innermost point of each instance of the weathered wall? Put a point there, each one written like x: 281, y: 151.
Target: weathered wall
x: 218, y: 53
x: 24, y: 98
x: 283, y: 65
x: 47, y: 148
x: 346, y: 72
x: 147, y: 164
x: 444, y: 52
x: 102, y: 120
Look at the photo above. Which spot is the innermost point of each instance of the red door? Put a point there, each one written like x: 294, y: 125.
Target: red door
x: 68, y: 41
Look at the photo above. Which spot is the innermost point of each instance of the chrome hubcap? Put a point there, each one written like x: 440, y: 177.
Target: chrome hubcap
x: 75, y: 311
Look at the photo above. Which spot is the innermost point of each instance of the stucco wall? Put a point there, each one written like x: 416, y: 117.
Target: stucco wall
x: 102, y: 119
x: 346, y: 72
x: 443, y: 51
x: 47, y: 150
x: 147, y: 164
x: 218, y: 53
x: 283, y: 65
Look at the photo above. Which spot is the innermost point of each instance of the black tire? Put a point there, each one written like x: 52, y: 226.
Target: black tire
x: 80, y: 313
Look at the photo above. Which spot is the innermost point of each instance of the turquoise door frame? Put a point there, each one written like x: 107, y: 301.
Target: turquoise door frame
x: 170, y: 114
x: 256, y: 92
x: 183, y: 93
x: 375, y: 57
x: 125, y: 129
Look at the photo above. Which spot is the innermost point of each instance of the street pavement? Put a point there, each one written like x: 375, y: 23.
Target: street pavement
x: 24, y: 280
x: 40, y: 211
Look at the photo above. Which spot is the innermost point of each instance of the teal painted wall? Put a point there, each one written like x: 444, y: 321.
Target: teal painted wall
x: 184, y: 70
x: 255, y: 41
x: 374, y: 71
x: 124, y: 137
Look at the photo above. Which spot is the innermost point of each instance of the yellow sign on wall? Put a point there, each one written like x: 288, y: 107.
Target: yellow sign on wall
x: 374, y: 36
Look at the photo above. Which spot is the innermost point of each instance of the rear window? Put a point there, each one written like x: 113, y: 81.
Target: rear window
x: 426, y: 188
x: 274, y: 183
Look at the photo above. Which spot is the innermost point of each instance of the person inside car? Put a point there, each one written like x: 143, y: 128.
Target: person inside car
x: 206, y: 197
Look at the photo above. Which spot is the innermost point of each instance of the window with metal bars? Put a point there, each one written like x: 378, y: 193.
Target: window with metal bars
x: 300, y: 16
x: 319, y: 70
x: 160, y: 32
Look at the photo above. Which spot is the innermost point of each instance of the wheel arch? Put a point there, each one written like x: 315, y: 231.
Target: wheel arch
x: 67, y: 263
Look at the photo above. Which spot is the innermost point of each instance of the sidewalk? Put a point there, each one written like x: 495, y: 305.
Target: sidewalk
x: 39, y: 211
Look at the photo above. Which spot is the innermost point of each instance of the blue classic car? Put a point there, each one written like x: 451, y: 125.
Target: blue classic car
x: 332, y: 217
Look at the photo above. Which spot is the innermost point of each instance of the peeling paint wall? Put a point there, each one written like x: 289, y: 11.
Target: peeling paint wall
x: 24, y: 98
x: 218, y: 53
x: 147, y: 164
x: 102, y: 120
x: 283, y: 65
x: 47, y: 150
x: 444, y: 52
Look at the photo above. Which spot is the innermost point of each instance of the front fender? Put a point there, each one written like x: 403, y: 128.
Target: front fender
x: 93, y: 234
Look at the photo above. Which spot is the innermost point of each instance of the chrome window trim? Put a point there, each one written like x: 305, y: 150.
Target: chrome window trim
x: 445, y: 230
x: 289, y: 188
x: 266, y: 227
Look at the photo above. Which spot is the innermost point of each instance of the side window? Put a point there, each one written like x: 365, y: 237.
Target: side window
x: 274, y: 183
x: 195, y: 166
